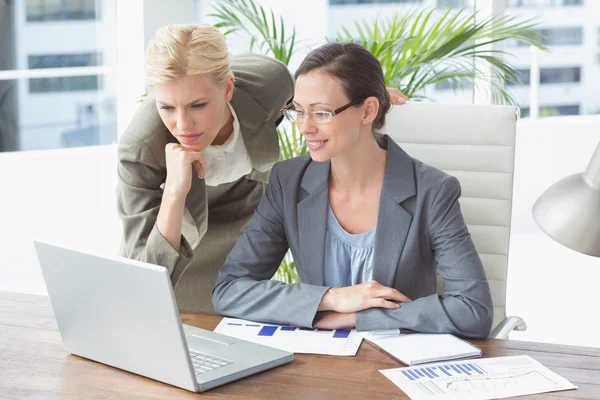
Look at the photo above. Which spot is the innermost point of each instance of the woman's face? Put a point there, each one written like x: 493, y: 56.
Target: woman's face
x: 194, y: 109
x: 319, y: 91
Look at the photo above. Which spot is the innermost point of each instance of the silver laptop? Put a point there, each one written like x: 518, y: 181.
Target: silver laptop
x: 123, y: 313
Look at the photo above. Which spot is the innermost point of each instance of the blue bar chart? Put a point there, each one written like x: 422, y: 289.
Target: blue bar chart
x: 269, y: 330
x: 294, y: 339
x: 445, y: 370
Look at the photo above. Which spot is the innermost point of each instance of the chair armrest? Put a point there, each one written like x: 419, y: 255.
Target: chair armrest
x: 507, y: 325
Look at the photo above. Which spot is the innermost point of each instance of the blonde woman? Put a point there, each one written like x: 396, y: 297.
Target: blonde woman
x: 194, y: 159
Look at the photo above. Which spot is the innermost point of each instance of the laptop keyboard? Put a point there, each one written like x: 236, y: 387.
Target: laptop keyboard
x: 203, y: 362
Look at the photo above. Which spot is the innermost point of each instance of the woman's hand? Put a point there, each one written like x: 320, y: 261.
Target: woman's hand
x: 177, y: 186
x: 334, y: 320
x: 397, y: 96
x: 355, y: 298
x: 179, y: 168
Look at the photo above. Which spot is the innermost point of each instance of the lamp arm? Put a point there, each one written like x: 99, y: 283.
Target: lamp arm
x: 592, y: 173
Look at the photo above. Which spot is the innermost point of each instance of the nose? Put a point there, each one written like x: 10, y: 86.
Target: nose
x: 306, y: 126
x: 184, y: 122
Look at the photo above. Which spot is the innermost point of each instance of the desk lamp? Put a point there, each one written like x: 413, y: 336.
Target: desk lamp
x: 569, y: 211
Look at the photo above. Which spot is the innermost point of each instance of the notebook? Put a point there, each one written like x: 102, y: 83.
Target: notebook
x: 421, y: 348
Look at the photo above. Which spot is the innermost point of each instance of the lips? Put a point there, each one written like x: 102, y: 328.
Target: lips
x: 314, y: 145
x: 189, y: 138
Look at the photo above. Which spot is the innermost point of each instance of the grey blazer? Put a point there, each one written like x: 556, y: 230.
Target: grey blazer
x: 420, y: 230
x: 214, y: 217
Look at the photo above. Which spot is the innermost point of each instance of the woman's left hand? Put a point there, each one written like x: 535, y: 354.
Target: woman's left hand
x: 397, y: 96
x: 335, y: 320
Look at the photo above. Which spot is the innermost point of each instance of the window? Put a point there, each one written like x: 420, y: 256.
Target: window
x: 560, y: 75
x: 523, y: 76
x: 454, y: 84
x: 572, y: 36
x: 549, y: 76
x: 61, y: 10
x: 530, y: 3
x: 58, y: 81
x: 341, y: 2
x: 562, y: 36
x: 65, y: 60
x: 65, y: 84
x: 543, y: 3
x: 553, y: 111
x: 452, y: 3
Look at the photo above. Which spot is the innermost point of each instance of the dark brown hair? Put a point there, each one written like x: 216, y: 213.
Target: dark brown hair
x: 357, y: 69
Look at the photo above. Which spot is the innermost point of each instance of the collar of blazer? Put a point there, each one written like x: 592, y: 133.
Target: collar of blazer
x: 393, y: 221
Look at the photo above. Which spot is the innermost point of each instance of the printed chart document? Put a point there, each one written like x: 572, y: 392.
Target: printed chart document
x: 339, y: 342
x: 421, y: 348
x: 486, y: 378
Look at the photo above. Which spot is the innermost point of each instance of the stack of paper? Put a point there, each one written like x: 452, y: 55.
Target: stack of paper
x: 419, y: 348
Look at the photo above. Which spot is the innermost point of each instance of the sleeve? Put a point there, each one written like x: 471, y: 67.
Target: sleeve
x: 139, y: 196
x: 244, y: 289
x: 466, y: 307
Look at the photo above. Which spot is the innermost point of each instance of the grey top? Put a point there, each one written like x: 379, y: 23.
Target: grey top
x: 420, y: 231
x: 348, y: 257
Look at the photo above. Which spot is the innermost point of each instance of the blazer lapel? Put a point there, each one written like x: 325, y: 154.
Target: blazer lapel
x: 312, y: 221
x: 393, y: 221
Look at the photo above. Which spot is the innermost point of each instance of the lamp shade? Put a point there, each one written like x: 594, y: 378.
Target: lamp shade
x: 569, y: 211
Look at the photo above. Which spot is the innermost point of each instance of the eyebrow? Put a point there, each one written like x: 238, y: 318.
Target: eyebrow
x: 314, y: 104
x: 193, y: 102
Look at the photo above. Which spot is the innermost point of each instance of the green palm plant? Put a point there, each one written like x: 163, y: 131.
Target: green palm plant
x: 265, y: 30
x: 422, y: 48
x: 267, y: 33
x: 291, y: 144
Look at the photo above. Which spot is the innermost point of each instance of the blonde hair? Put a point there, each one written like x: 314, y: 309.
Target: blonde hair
x: 180, y: 49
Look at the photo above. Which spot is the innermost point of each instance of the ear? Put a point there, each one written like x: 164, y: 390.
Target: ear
x: 370, y: 109
x: 229, y: 86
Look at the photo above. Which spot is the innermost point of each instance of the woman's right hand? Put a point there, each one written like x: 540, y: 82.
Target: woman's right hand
x: 179, y: 168
x: 360, y: 297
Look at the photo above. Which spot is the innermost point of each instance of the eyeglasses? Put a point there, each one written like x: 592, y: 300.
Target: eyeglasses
x: 318, y: 117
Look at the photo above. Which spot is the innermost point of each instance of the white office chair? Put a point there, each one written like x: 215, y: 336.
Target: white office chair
x: 476, y: 144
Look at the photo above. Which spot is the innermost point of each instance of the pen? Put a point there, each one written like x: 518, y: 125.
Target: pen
x: 384, y: 332
x: 394, y: 331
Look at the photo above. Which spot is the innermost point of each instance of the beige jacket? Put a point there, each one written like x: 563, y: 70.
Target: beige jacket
x: 214, y: 217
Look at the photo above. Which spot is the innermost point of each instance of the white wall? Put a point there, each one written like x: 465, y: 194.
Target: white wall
x: 552, y: 287
x: 64, y: 196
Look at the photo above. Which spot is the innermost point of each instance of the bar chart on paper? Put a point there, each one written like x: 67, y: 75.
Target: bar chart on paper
x: 487, y: 378
x: 340, y: 342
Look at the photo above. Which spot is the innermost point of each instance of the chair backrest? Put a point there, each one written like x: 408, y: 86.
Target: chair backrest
x: 476, y: 144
